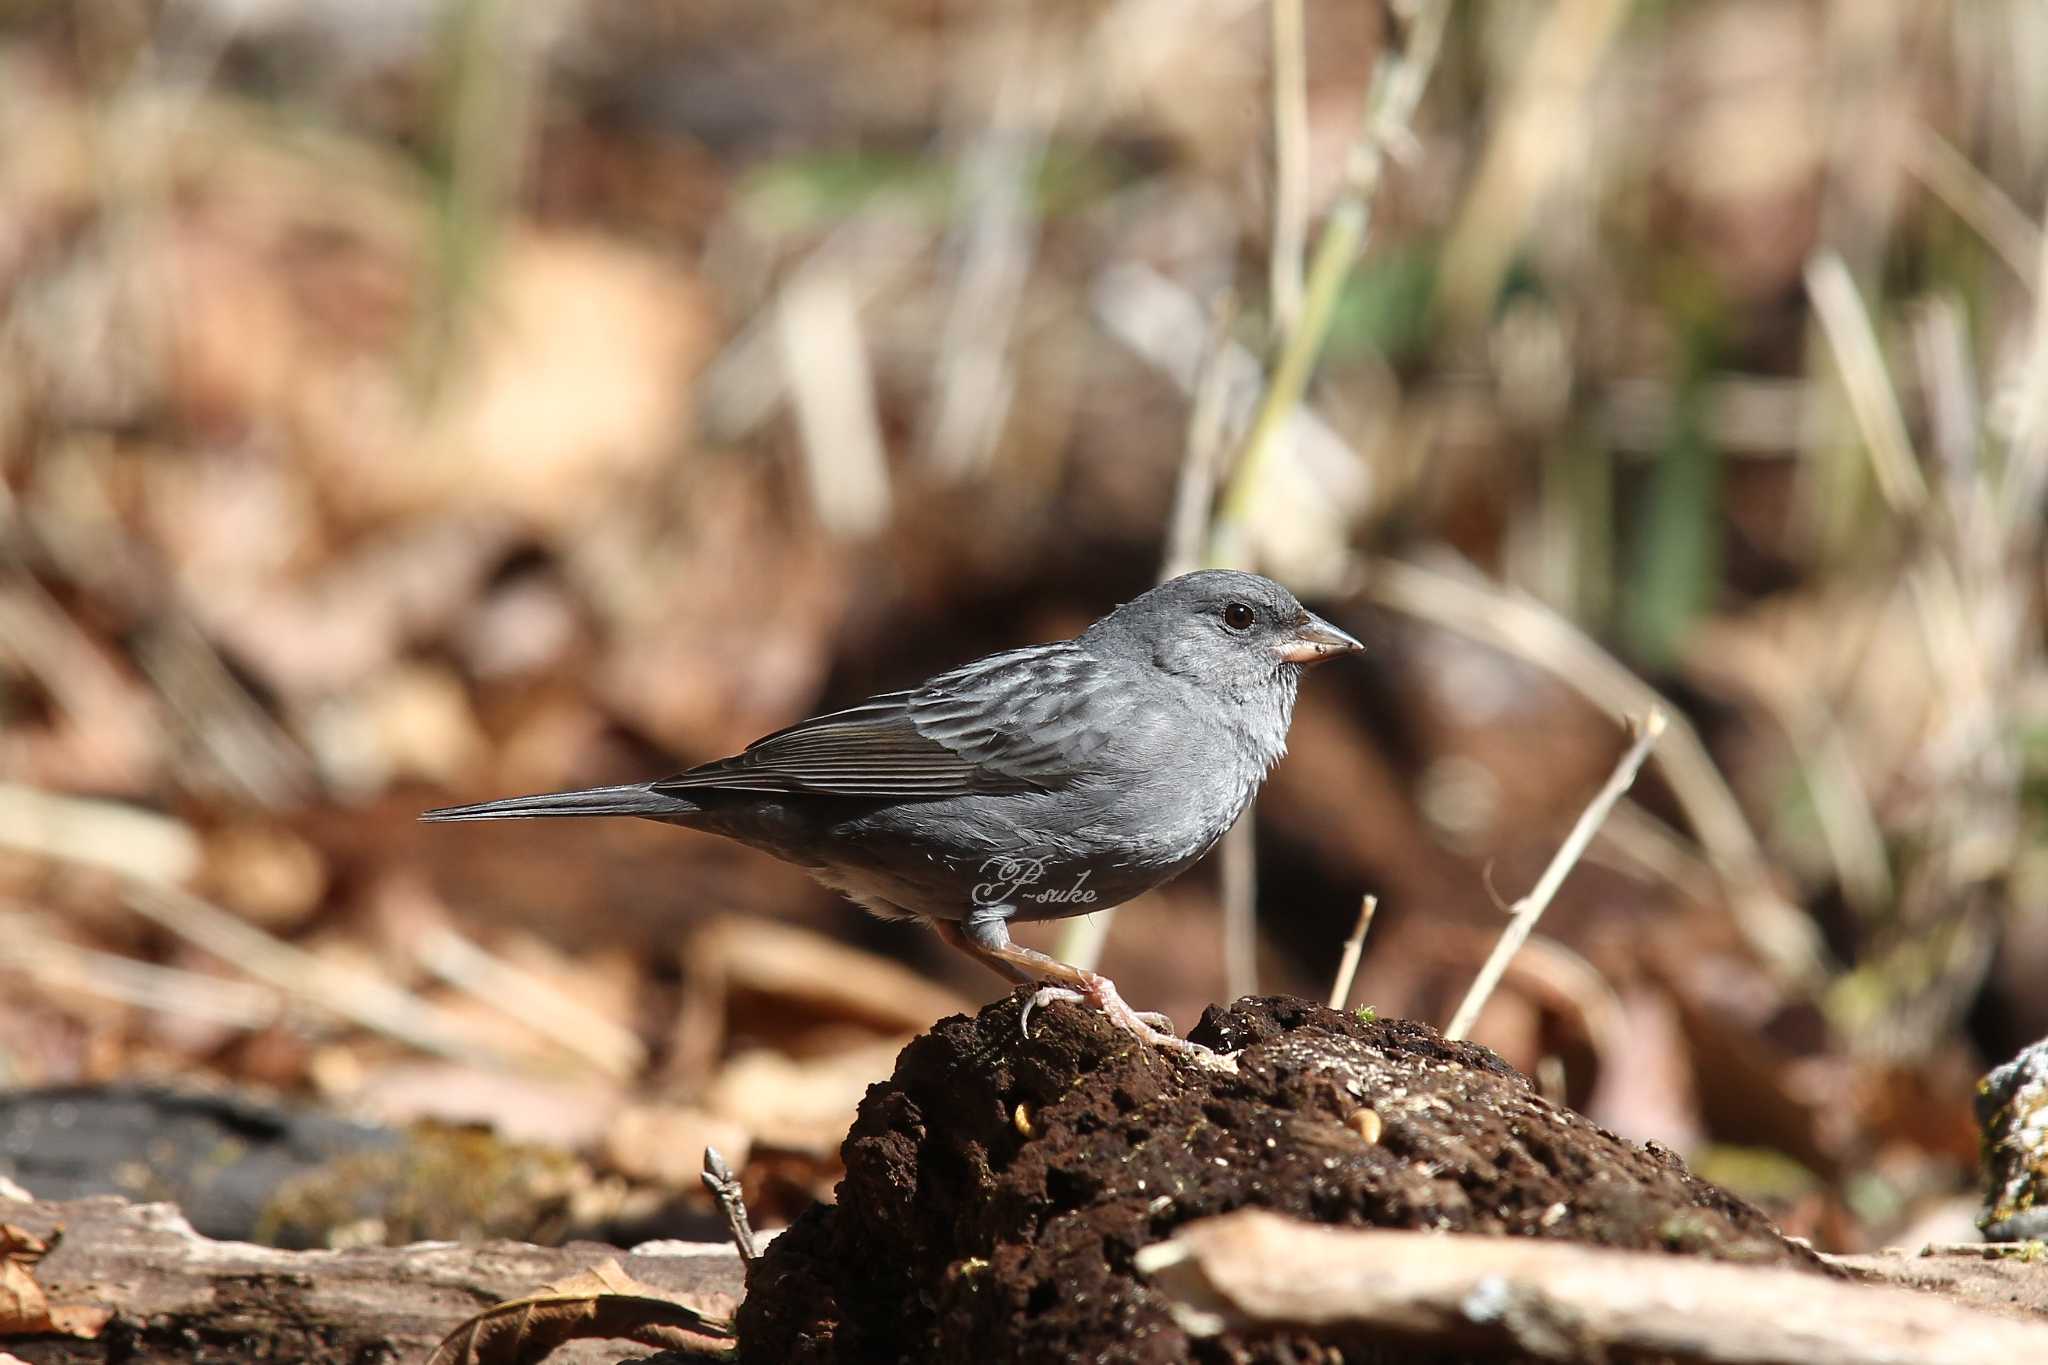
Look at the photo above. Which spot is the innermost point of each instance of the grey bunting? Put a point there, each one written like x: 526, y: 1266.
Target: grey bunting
x: 1033, y: 784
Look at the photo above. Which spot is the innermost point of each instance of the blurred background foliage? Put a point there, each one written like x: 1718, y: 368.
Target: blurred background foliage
x: 405, y: 402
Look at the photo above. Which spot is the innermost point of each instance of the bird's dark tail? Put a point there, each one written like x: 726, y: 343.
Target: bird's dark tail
x: 635, y: 799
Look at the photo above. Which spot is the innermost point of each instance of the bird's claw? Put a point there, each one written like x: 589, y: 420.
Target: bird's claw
x: 1147, y: 1027
x: 1045, y: 995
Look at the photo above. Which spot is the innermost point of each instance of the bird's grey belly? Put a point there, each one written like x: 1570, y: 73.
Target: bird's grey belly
x: 1042, y: 855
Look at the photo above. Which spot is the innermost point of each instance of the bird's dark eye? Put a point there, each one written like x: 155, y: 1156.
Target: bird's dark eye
x: 1238, y: 616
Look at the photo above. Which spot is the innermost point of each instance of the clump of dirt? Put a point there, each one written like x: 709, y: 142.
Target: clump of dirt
x: 997, y: 1186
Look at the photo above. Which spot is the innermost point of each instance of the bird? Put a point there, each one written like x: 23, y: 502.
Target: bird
x: 1032, y: 784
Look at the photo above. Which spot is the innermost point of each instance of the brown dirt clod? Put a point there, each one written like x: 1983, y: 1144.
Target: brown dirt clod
x: 960, y: 1234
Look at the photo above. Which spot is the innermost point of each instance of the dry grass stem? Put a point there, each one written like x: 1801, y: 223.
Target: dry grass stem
x: 250, y: 748
x: 1538, y: 131
x: 1290, y: 163
x: 105, y: 834
x: 1932, y: 160
x: 1948, y: 380
x: 2026, y: 470
x: 1239, y: 867
x: 825, y: 361
x: 1873, y: 400
x: 534, y: 1001
x: 369, y: 1001
x: 1347, y: 965
x: 973, y: 380
x: 1398, y: 82
x: 1806, y: 711
x: 25, y: 947
x: 1195, y: 489
x: 746, y: 383
x: 1637, y: 844
x: 1528, y: 910
x: 1083, y: 938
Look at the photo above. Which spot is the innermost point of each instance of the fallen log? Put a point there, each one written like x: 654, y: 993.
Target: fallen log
x: 140, y: 1284
x: 1251, y: 1272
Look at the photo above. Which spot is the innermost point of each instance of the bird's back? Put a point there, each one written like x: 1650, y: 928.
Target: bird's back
x: 1170, y: 779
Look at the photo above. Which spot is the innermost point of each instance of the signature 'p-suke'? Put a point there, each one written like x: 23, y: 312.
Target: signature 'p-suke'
x: 1012, y: 879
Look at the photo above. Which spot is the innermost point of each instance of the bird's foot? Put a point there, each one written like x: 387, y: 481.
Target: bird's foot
x: 1148, y: 1023
x: 1101, y: 993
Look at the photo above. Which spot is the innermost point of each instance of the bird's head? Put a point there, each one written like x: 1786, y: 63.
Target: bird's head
x: 1224, y: 628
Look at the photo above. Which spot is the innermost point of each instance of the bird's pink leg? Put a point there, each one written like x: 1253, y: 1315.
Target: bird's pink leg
x: 987, y: 940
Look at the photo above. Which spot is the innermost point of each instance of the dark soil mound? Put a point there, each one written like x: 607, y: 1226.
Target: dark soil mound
x: 997, y: 1186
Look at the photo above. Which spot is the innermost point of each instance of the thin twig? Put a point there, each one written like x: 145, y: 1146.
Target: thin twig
x: 1347, y: 965
x: 1529, y: 909
x: 732, y: 1203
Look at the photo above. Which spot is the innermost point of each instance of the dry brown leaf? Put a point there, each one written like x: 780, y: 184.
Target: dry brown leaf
x: 24, y: 1309
x: 604, y: 1302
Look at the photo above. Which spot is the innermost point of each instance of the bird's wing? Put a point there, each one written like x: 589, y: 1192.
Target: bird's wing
x: 1011, y: 722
